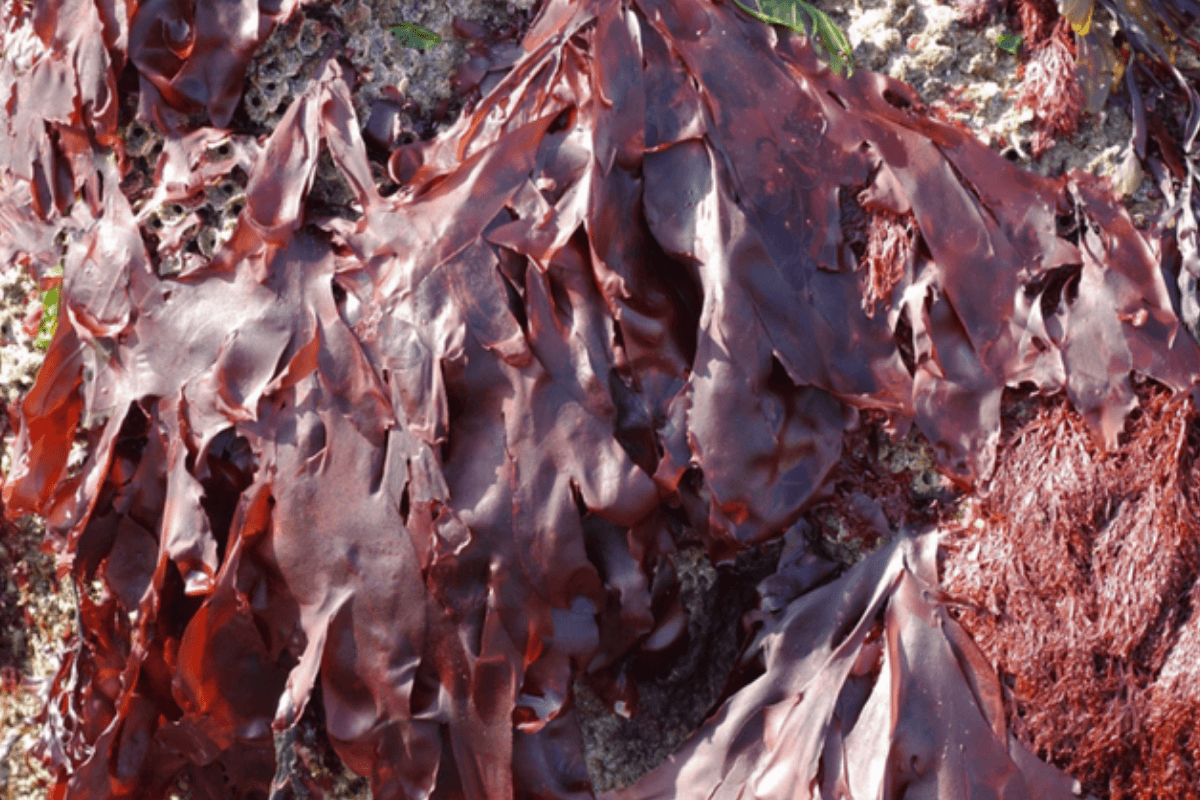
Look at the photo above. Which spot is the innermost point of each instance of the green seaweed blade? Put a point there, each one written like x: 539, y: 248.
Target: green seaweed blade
x: 412, y: 35
x: 827, y: 36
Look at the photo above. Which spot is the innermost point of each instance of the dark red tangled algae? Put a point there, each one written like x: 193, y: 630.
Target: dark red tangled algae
x: 435, y: 457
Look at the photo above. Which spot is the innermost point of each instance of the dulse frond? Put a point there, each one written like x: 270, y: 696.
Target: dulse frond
x: 433, y: 459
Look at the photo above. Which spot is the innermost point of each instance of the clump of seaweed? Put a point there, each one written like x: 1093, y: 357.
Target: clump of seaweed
x: 1078, y: 572
x: 1080, y: 53
x: 1052, y: 89
x: 429, y: 463
x: 891, y: 240
x: 881, y: 244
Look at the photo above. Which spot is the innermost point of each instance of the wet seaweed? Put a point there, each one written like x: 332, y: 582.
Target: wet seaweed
x: 1078, y: 572
x: 432, y: 454
x: 1093, y: 48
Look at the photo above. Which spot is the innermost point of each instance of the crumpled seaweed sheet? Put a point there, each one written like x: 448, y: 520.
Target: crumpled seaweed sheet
x: 866, y: 688
x: 434, y: 457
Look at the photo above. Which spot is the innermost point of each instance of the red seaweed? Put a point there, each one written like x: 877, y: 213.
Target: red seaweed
x: 1052, y: 89
x: 1077, y: 575
x: 866, y: 688
x: 432, y: 458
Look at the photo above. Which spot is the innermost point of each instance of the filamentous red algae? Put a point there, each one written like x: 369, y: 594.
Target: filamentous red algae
x: 1052, y: 89
x: 433, y: 455
x: 1078, y: 570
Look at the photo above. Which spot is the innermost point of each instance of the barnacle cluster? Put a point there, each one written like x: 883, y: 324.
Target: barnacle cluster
x: 185, y: 224
x: 282, y: 68
x: 387, y: 70
x: 417, y: 82
x: 400, y: 94
x: 143, y: 145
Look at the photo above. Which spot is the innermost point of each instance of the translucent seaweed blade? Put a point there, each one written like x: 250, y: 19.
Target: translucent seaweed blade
x: 1099, y: 68
x: 1009, y: 42
x: 826, y: 35
x: 1141, y: 22
x: 782, y: 11
x: 49, y: 319
x: 837, y: 46
x: 1128, y: 175
x: 1079, y: 14
x: 412, y: 35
